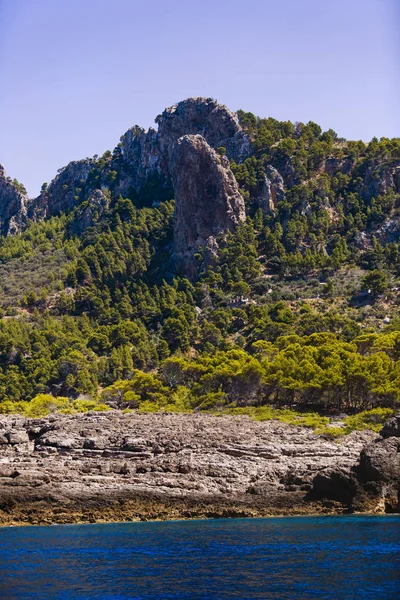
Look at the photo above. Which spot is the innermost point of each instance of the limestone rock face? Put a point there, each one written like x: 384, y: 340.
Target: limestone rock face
x: 116, y: 466
x: 380, y: 179
x: 13, y: 205
x: 142, y: 159
x: 207, y: 196
x: 208, y: 201
x: 206, y: 117
x: 148, y: 154
x: 373, y: 483
x: 273, y: 190
x: 379, y: 471
x: 380, y: 461
x: 90, y: 212
x: 62, y: 191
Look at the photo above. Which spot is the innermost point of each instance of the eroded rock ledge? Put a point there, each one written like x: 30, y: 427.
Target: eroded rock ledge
x: 114, y: 466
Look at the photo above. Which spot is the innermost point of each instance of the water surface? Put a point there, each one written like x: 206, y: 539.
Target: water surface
x: 291, y: 558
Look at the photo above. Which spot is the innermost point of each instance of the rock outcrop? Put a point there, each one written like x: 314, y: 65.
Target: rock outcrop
x: 64, y: 192
x: 114, y: 466
x: 14, y: 205
x: 206, y: 117
x: 273, y: 191
x: 90, y: 212
x: 149, y: 154
x: 207, y: 196
x: 391, y: 428
x: 208, y: 201
x: 379, y: 179
x: 373, y: 483
x: 142, y: 160
x: 149, y: 167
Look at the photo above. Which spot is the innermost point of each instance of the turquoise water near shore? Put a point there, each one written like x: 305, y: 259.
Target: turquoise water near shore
x: 295, y: 558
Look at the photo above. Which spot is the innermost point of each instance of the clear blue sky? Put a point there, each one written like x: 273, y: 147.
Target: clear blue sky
x: 76, y: 74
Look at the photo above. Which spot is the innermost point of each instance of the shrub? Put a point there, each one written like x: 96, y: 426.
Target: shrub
x: 369, y: 419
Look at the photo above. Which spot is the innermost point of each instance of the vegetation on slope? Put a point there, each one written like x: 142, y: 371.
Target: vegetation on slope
x: 299, y: 310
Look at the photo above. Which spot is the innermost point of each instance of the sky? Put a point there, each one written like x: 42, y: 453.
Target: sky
x: 76, y: 74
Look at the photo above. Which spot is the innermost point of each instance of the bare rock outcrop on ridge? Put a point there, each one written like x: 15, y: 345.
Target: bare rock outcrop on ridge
x: 149, y: 154
x: 208, y: 201
x: 14, y: 205
x: 202, y: 183
x: 273, y: 191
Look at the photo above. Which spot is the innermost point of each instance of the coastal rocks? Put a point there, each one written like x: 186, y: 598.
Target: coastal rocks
x: 379, y: 471
x: 373, y: 482
x: 14, y: 205
x: 208, y: 201
x: 116, y: 466
x: 380, y: 461
x: 391, y: 428
x: 336, y: 484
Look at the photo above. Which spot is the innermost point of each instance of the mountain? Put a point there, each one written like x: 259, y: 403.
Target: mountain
x: 221, y: 261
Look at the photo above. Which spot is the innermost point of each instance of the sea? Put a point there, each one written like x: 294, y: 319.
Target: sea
x: 293, y: 558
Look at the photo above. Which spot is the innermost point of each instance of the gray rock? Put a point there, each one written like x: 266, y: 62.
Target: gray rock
x: 62, y: 193
x: 273, y: 190
x: 86, y: 463
x: 206, y: 117
x: 380, y: 178
x: 391, y: 428
x: 17, y: 436
x: 380, y: 461
x: 14, y: 204
x: 90, y: 212
x: 208, y: 201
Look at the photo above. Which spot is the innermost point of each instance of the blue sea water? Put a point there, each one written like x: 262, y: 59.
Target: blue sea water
x: 293, y: 558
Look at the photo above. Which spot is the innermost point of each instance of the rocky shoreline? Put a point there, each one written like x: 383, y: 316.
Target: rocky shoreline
x: 111, y: 466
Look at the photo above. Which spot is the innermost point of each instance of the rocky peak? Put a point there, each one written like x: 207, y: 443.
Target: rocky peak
x: 142, y: 160
x: 208, y: 201
x: 149, y: 153
x: 203, y: 116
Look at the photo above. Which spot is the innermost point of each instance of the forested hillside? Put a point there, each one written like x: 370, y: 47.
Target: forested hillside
x: 286, y: 295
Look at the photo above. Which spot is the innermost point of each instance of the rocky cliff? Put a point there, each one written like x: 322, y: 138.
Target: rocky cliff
x: 115, y: 466
x: 202, y: 183
x: 208, y: 201
x: 14, y: 205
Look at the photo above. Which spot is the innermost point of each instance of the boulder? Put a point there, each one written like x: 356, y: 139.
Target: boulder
x: 391, y: 428
x: 380, y: 461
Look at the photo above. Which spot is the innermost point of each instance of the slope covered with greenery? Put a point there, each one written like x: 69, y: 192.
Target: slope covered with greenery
x: 299, y: 308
